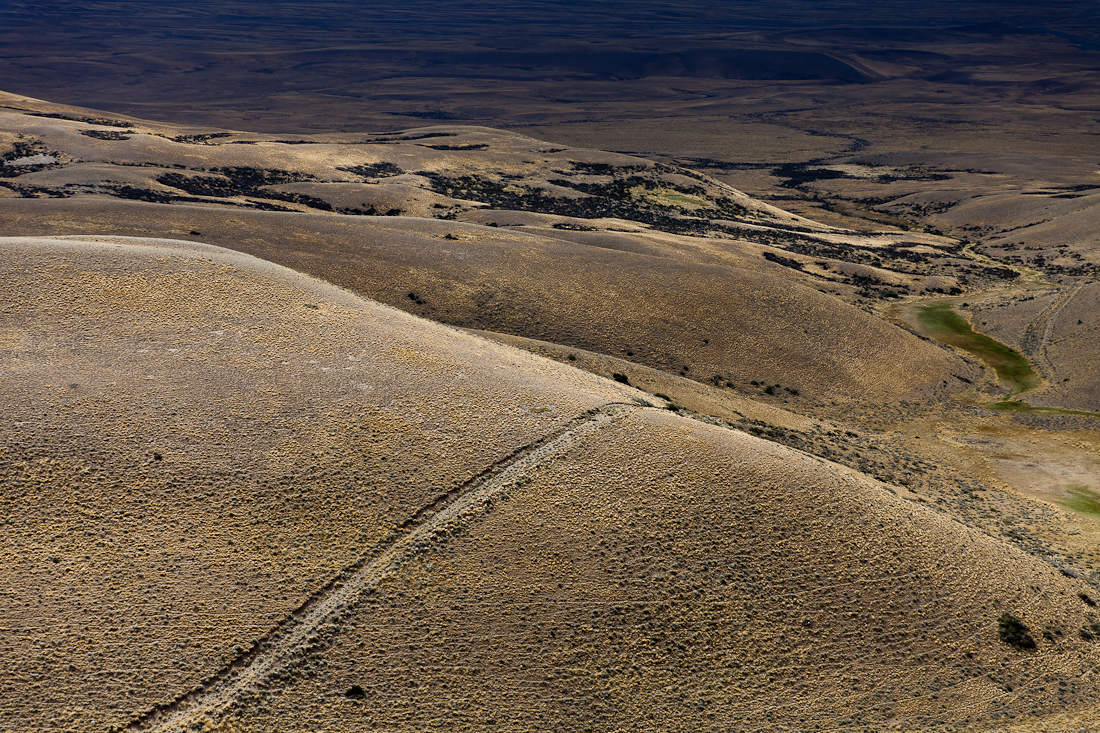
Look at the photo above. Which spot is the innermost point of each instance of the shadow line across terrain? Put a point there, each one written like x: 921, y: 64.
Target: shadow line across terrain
x: 309, y: 623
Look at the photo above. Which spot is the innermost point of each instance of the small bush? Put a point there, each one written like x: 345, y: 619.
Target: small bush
x: 1012, y: 631
x: 620, y: 378
x: 1085, y: 597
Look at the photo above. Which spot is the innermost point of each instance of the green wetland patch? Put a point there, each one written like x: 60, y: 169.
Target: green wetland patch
x: 1082, y: 500
x: 949, y: 327
x: 1020, y: 406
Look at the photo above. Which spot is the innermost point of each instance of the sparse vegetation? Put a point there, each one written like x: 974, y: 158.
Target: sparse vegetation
x: 1014, y: 632
x: 373, y: 170
x: 807, y: 551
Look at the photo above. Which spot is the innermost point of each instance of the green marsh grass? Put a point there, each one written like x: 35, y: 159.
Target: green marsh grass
x: 1082, y: 500
x: 1020, y: 406
x: 950, y: 328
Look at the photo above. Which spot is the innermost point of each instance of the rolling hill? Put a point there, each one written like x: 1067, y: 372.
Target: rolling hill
x: 453, y: 428
x: 386, y: 521
x: 496, y: 231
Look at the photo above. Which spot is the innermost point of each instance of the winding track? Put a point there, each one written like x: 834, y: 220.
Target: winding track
x: 304, y: 627
x: 1045, y: 323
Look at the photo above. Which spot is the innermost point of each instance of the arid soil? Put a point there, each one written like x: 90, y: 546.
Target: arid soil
x: 455, y: 428
x: 195, y: 441
x: 698, y: 578
x: 597, y: 616
x: 691, y: 276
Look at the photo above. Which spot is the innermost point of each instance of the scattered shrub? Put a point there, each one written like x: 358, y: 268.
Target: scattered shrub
x: 1012, y: 631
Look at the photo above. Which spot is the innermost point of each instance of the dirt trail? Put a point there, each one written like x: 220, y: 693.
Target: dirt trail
x: 308, y: 624
x: 1041, y: 331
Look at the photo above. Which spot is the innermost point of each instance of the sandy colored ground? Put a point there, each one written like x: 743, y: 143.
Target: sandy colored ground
x: 728, y: 305
x: 250, y: 432
x: 197, y: 441
x: 194, y: 441
x: 667, y: 574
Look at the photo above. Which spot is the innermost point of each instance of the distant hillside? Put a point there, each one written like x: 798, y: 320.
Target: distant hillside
x: 496, y: 231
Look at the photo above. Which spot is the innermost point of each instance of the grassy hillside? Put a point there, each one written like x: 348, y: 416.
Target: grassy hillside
x: 195, y: 441
x: 452, y: 428
x: 496, y: 231
x: 199, y: 443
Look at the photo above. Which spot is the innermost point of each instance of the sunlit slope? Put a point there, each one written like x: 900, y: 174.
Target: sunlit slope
x: 194, y: 441
x: 1053, y: 230
x: 668, y: 575
x: 673, y: 308
x: 1068, y: 339
x: 494, y: 230
x: 668, y: 390
x: 428, y: 171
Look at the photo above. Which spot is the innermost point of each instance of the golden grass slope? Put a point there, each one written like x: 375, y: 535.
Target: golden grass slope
x: 723, y: 305
x: 195, y: 440
x: 700, y: 308
x: 671, y: 391
x: 96, y: 148
x: 669, y: 575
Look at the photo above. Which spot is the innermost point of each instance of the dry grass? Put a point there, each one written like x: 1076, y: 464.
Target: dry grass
x: 1068, y: 342
x: 194, y: 441
x: 695, y: 305
x: 671, y: 575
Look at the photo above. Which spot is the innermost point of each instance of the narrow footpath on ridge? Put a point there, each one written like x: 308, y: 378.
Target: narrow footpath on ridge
x: 303, y: 628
